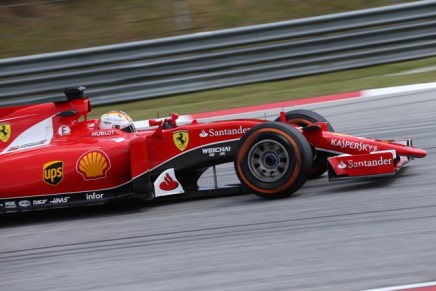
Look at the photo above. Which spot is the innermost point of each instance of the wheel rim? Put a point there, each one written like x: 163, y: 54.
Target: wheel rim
x: 268, y: 160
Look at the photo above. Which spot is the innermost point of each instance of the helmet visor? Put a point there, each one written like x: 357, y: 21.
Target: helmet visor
x: 130, y: 128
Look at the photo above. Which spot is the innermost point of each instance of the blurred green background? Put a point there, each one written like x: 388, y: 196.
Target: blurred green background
x: 40, y: 26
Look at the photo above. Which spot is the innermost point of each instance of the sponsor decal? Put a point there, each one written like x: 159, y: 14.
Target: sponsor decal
x: 94, y: 196
x: 53, y: 172
x: 59, y: 200
x: 181, y: 139
x: 342, y: 165
x: 39, y: 201
x: 5, y: 131
x: 24, y: 203
x: 39, y: 134
x: 64, y: 130
x: 224, y: 132
x: 103, y: 133
x: 27, y: 145
x: 365, y: 164
x: 167, y: 184
x: 93, y: 165
x: 360, y: 146
x: 10, y: 204
x: 217, y: 151
x: 203, y: 133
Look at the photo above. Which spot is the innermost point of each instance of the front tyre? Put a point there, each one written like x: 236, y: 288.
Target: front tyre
x: 304, y: 117
x: 273, y: 160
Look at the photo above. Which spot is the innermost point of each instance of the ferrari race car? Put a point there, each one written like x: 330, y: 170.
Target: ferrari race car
x: 52, y: 155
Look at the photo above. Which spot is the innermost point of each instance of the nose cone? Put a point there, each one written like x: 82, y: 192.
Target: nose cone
x: 412, y: 152
x: 420, y: 153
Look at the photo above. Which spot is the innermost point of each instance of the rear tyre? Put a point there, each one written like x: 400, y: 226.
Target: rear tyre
x: 303, y: 117
x: 273, y: 160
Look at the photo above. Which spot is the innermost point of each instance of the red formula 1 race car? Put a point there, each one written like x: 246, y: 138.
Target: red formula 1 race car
x: 52, y: 155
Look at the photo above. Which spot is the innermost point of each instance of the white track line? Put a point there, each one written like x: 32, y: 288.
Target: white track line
x: 403, y: 287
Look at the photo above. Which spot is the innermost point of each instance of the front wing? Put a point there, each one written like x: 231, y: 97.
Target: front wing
x: 375, y: 163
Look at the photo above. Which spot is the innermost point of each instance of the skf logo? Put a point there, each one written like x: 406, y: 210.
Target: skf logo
x: 181, y: 139
x: 53, y: 172
x: 93, y: 165
x: 5, y: 131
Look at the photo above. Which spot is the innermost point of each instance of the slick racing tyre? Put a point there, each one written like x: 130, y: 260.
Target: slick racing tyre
x: 303, y: 117
x: 273, y: 160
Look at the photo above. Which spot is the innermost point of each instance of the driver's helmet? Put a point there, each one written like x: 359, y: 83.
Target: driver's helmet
x: 117, y: 119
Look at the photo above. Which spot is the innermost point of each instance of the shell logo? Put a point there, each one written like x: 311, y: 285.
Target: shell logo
x: 93, y: 165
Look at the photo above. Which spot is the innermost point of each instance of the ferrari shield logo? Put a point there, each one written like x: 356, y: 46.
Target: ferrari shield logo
x: 5, y: 131
x: 181, y: 139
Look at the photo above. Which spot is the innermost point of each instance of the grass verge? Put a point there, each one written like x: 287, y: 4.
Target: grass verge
x: 403, y: 73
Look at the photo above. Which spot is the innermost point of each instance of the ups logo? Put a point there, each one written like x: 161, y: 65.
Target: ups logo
x: 53, y: 172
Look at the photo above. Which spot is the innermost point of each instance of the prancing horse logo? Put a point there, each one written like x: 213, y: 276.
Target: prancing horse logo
x: 181, y: 139
x: 5, y: 131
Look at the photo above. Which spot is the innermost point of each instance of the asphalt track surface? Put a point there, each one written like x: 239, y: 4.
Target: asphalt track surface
x: 347, y: 235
